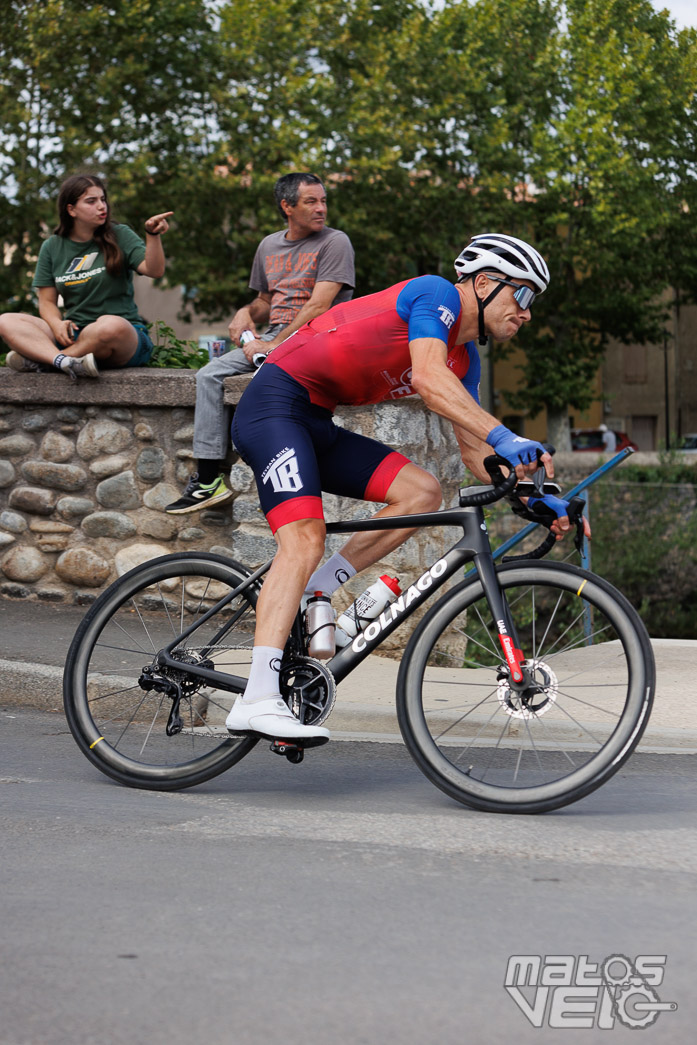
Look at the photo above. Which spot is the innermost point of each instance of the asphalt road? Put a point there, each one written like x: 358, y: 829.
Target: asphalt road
x: 341, y: 901
x: 38, y: 632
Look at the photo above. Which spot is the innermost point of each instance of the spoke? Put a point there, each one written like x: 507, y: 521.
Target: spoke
x: 588, y: 703
x: 152, y: 724
x: 584, y: 728
x: 532, y: 742
x: 550, y: 622
x: 466, y: 712
x: 461, y: 719
x: 114, y: 692
x: 540, y: 719
x: 493, y: 751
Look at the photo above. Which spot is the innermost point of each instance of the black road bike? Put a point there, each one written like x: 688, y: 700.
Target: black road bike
x: 523, y: 688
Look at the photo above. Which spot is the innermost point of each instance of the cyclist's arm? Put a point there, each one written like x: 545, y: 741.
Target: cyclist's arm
x: 473, y: 451
x: 442, y: 392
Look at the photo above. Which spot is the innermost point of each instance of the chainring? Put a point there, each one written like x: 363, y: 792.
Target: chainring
x: 308, y: 688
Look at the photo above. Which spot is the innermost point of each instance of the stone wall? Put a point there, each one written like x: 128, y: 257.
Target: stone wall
x: 86, y: 470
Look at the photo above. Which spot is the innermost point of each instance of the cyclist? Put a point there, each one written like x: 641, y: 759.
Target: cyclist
x: 414, y: 337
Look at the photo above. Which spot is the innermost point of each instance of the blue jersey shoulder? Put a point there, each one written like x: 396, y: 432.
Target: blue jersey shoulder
x: 430, y: 306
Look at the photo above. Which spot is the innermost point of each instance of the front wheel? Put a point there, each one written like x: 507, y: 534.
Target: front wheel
x: 582, y: 713
x: 150, y: 726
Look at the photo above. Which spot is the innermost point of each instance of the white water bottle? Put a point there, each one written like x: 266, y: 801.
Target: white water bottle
x: 369, y: 605
x: 319, y: 621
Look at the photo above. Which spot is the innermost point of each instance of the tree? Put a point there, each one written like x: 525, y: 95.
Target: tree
x: 122, y: 88
x: 567, y: 122
x: 609, y: 182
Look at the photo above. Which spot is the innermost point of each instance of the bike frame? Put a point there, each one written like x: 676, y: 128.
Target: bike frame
x: 473, y: 546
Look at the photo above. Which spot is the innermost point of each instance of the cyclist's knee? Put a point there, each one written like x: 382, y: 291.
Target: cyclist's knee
x: 302, y: 542
x: 416, y: 491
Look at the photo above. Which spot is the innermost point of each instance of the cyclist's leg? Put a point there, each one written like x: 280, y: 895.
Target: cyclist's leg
x: 300, y: 548
x: 412, y: 490
x: 274, y: 431
x: 356, y: 466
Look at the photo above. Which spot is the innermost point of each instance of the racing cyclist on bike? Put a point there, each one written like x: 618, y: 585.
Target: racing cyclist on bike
x: 414, y: 337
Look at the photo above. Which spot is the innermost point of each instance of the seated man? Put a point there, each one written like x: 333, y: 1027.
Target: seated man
x: 415, y: 337
x: 298, y: 273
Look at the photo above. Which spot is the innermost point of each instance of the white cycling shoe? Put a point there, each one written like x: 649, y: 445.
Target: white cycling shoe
x: 272, y: 718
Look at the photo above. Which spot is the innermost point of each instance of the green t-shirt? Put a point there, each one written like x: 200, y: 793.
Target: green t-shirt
x: 78, y: 272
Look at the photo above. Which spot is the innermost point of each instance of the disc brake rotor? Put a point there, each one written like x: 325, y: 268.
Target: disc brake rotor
x: 536, y: 699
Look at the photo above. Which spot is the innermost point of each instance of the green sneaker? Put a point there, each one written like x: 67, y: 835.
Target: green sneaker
x: 199, y: 495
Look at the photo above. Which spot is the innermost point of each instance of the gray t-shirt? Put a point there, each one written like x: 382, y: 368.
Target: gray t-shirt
x: 289, y: 269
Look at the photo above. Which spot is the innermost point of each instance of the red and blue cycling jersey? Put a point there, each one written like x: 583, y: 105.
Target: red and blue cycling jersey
x: 358, y: 351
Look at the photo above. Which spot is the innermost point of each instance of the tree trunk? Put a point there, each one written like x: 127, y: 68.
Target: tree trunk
x: 558, y: 432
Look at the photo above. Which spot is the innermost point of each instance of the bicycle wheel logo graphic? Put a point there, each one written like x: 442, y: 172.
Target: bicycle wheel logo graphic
x: 635, y: 1002
x: 565, y: 991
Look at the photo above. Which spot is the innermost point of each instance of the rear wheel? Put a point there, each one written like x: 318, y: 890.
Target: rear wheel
x: 582, y: 713
x: 142, y: 724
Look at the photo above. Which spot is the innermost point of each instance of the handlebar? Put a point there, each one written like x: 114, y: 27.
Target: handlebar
x: 472, y: 498
x: 504, y: 486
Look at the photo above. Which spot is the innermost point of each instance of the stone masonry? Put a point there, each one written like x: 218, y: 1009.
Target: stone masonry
x: 87, y: 468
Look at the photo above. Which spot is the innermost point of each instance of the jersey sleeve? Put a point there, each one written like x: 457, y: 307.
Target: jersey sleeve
x: 335, y: 263
x: 44, y: 275
x: 473, y: 377
x: 131, y: 244
x: 430, y: 306
x: 257, y: 277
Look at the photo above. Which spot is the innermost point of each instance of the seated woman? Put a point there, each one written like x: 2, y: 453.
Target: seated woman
x: 89, y: 262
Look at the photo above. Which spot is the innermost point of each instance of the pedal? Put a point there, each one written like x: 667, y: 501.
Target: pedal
x: 294, y: 752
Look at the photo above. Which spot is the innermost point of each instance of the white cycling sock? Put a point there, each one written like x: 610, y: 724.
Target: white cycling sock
x: 329, y: 577
x: 263, y: 676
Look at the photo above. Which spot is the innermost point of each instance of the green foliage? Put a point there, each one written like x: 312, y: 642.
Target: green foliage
x: 645, y: 542
x: 171, y: 352
x: 568, y: 122
x: 644, y: 523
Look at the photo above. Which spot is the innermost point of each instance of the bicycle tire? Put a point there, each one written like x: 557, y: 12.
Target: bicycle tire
x: 487, y: 747
x: 120, y: 725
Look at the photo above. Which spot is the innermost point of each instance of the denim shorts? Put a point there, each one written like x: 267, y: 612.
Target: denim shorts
x: 142, y: 354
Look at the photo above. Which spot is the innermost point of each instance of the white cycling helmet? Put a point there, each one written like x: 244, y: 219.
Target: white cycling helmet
x: 506, y: 254
x: 493, y: 252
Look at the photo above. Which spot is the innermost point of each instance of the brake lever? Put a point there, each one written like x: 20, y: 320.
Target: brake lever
x: 539, y: 481
x: 575, y: 515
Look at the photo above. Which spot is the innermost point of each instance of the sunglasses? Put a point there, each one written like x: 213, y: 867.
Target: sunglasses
x: 524, y: 296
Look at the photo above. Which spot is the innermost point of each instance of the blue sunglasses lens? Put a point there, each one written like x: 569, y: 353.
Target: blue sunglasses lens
x: 524, y: 296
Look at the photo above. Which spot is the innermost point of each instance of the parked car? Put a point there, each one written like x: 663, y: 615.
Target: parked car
x: 591, y: 439
x: 688, y: 443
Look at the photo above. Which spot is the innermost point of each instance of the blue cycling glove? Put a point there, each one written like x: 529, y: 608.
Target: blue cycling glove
x: 558, y: 505
x: 514, y: 448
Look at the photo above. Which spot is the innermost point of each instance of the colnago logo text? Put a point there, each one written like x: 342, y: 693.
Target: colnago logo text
x: 396, y: 609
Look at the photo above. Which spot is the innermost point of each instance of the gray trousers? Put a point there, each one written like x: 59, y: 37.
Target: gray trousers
x: 213, y: 418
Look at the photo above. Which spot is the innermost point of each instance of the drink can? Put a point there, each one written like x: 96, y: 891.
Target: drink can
x: 216, y: 346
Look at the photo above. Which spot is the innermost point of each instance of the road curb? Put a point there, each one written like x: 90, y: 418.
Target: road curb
x: 39, y: 687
